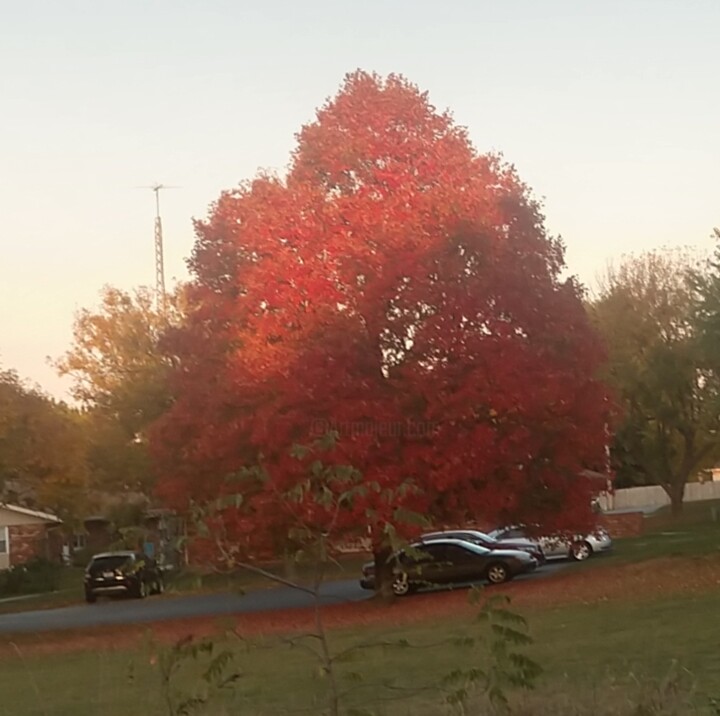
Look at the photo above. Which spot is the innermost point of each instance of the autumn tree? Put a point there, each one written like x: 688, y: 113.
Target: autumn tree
x: 399, y: 288
x: 668, y: 427
x: 120, y: 378
x: 43, y: 450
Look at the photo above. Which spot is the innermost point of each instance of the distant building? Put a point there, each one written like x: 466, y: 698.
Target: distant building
x: 27, y: 534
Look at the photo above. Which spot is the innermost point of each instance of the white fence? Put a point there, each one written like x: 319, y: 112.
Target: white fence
x: 655, y: 496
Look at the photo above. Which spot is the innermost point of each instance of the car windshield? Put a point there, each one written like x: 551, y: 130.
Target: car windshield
x: 111, y: 562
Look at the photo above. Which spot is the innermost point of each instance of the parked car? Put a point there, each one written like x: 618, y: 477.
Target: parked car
x: 122, y: 573
x: 578, y: 547
x: 532, y: 547
x: 450, y: 561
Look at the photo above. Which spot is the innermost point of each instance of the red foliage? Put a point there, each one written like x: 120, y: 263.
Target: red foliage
x: 401, y: 288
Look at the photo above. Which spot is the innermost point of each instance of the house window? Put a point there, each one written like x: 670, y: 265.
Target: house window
x: 4, y: 540
x: 79, y: 541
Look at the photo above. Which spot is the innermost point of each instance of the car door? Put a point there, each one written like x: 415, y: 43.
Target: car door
x: 463, y: 565
x: 554, y: 546
x: 430, y: 564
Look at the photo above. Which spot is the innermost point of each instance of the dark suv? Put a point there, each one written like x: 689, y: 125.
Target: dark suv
x: 122, y: 573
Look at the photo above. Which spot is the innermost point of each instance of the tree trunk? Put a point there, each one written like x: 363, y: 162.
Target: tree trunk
x: 676, y: 494
x: 383, y: 573
x: 290, y: 567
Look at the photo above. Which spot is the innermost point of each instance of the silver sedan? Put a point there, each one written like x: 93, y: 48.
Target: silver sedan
x: 578, y: 548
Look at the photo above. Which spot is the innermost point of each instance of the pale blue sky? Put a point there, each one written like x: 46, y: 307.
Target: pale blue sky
x: 610, y: 111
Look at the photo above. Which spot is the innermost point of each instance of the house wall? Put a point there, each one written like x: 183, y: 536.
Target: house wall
x: 99, y: 537
x: 28, y: 538
x: 27, y: 542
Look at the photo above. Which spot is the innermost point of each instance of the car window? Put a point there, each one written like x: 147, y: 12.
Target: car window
x: 514, y: 533
x: 436, y: 552
x: 111, y: 562
x: 417, y: 553
x: 457, y: 555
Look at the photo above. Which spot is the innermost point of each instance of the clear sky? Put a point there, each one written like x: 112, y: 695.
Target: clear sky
x: 609, y: 110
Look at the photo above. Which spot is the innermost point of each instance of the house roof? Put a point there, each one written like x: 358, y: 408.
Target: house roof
x: 30, y: 513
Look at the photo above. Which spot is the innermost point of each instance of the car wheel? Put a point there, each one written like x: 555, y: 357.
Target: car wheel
x: 497, y: 573
x: 401, y: 586
x: 90, y: 598
x: 580, y: 551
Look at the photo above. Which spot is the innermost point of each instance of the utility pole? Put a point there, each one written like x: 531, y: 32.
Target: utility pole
x: 159, y: 255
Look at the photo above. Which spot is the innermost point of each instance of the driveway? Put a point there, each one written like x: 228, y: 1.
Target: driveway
x: 154, y: 609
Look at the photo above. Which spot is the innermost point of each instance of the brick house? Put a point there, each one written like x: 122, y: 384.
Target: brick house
x: 26, y: 534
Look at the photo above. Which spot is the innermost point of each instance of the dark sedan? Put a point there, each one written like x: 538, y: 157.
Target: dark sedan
x: 122, y: 573
x: 532, y: 547
x: 450, y: 561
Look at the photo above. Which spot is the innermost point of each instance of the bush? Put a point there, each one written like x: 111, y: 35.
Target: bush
x: 33, y: 577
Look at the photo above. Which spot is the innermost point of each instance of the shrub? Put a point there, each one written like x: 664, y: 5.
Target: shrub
x: 33, y: 577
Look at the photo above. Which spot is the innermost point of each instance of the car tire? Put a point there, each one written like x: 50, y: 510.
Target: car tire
x: 90, y: 598
x: 580, y: 551
x: 401, y: 586
x: 497, y: 573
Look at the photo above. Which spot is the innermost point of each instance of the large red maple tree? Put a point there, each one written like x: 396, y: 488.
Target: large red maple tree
x: 400, y: 288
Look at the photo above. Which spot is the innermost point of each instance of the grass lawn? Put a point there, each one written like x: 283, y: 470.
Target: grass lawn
x: 607, y: 652
x: 650, y: 654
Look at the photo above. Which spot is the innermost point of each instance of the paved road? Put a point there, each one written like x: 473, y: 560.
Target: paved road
x: 122, y: 611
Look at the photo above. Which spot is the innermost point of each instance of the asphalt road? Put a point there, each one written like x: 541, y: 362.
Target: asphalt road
x: 154, y: 609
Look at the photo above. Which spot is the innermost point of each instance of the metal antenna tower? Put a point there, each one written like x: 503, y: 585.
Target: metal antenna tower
x: 159, y: 255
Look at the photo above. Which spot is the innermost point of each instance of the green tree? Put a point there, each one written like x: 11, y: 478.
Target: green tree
x: 668, y: 425
x: 120, y: 377
x: 706, y: 284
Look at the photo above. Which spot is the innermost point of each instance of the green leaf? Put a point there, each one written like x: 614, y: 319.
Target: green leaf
x: 409, y: 517
x: 299, y: 452
x: 328, y: 440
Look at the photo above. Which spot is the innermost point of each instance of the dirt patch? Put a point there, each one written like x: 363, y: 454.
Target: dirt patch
x: 599, y: 583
